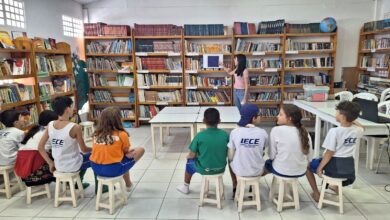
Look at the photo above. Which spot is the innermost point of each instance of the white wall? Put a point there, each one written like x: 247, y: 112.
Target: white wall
x: 383, y: 8
x: 350, y: 15
x: 44, y: 19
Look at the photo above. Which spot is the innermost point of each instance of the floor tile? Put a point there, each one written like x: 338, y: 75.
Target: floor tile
x: 364, y: 194
x: 179, y: 209
x: 157, y: 176
x: 142, y: 164
x: 174, y: 193
x: 307, y: 211
x: 267, y: 212
x: 21, y: 209
x: 89, y: 211
x: 350, y: 212
x: 374, y: 211
x: 150, y: 190
x: 228, y: 211
x: 64, y: 210
x: 163, y: 165
x: 4, y: 203
x: 149, y: 207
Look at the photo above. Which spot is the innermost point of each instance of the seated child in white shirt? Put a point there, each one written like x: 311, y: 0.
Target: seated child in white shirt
x: 10, y: 136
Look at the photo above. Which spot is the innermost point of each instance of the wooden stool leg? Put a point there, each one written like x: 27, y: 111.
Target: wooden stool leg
x: 7, y: 185
x: 124, y: 192
x: 272, y: 190
x: 222, y: 188
x: 20, y: 182
x: 257, y: 195
x: 111, y: 197
x: 341, y: 204
x: 237, y: 194
x: 28, y: 195
x: 73, y: 192
x: 241, y: 195
x: 280, y: 197
x: 295, y: 195
x: 47, y: 188
x: 322, y: 194
x: 202, y: 191
x: 80, y: 186
x: 99, y: 195
x: 57, y: 192
x: 218, y: 193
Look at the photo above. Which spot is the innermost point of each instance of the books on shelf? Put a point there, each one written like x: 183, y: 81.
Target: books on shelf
x: 148, y: 111
x: 46, y: 89
x: 102, y: 96
x: 376, y: 25
x: 62, y: 84
x: 291, y: 95
x: 318, y: 62
x: 192, y: 63
x: 268, y: 112
x: 207, y: 96
x: 271, y: 27
x: 380, y: 61
x: 157, y: 30
x: 14, y: 92
x: 264, y: 63
x: 125, y: 113
x: 192, y: 47
x: 158, y: 46
x: 158, y: 80
x: 102, y: 29
x: 264, y: 96
x: 41, y: 43
x: 204, y: 30
x: 15, y: 66
x: 374, y: 85
x: 303, y: 28
x: 192, y: 81
x: 125, y: 80
x: 293, y: 45
x: 381, y: 43
x: 102, y: 64
x: 159, y: 63
x: 261, y: 80
x: 244, y: 28
x: 109, y: 47
x: 154, y: 96
x: 249, y: 46
x: 94, y: 29
x: 51, y: 64
x: 320, y: 79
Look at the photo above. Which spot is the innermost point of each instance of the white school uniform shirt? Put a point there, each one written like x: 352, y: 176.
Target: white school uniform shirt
x: 286, y: 151
x: 65, y: 149
x: 342, y: 140
x: 248, y: 143
x: 33, y: 142
x: 9, y: 144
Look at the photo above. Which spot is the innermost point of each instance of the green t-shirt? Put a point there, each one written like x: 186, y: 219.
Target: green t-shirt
x: 211, y: 149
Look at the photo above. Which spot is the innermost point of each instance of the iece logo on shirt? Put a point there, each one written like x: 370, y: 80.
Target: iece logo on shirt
x: 250, y: 142
x: 4, y: 134
x: 349, y: 142
x: 57, y: 143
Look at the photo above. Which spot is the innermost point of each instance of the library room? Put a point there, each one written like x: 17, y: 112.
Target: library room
x: 194, y: 109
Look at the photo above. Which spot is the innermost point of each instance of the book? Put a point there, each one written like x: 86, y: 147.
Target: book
x: 193, y: 47
x: 110, y: 47
x: 15, y: 66
x: 14, y: 92
x: 157, y: 30
x: 46, y: 89
x: 158, y: 80
x: 264, y: 96
x: 319, y: 62
x: 100, y: 96
x: 125, y: 80
x: 194, y: 96
x: 5, y: 40
x: 155, y: 96
x: 148, y: 111
x: 102, y: 64
x: 249, y: 46
x: 303, y: 28
x: 293, y: 45
x: 264, y: 63
x: 204, y: 30
x: 62, y: 84
x: 244, y: 28
x: 52, y: 43
x: 271, y: 27
x: 196, y: 81
x: 158, y: 63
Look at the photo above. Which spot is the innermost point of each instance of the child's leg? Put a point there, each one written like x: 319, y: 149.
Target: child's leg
x: 234, y: 178
x: 135, y: 154
x: 313, y: 165
x: 189, y: 172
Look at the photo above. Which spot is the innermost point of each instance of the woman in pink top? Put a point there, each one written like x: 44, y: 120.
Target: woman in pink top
x: 241, y: 76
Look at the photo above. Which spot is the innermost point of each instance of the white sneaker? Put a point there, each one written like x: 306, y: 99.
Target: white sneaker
x: 185, y: 189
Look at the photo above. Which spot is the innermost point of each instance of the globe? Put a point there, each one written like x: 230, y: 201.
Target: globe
x: 328, y: 25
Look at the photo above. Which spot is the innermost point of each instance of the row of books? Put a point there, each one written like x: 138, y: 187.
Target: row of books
x: 376, y: 86
x: 380, y: 73
x: 207, y: 96
x: 271, y: 27
x: 154, y: 96
x: 320, y: 79
x: 244, y: 28
x: 158, y: 46
x: 291, y: 95
x: 159, y: 80
x: 110, y: 47
x: 264, y: 96
x: 102, y: 96
x: 303, y: 28
x: 157, y: 30
x: 318, y: 62
x: 376, y: 25
x: 125, y: 113
x: 264, y: 80
x: 207, y: 81
x: 120, y: 80
x: 13, y: 92
x: 380, y: 61
x: 62, y: 84
x: 248, y: 46
x: 296, y: 45
x: 103, y: 64
x: 148, y: 111
x: 102, y: 29
x: 268, y: 112
x: 46, y: 89
x: 192, y: 47
x: 41, y: 43
x: 204, y: 29
x: 15, y: 66
x: 381, y: 43
x: 264, y: 63
x: 159, y: 63
x: 51, y: 63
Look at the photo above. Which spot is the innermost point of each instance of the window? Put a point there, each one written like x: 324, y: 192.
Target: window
x: 73, y: 27
x: 12, y: 13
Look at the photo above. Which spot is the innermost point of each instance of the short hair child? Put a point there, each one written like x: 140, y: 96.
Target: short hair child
x: 339, y: 144
x: 10, y: 136
x: 208, y: 150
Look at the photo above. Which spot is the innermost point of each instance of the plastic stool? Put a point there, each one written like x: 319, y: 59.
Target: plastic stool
x: 284, y: 190
x: 332, y: 181
x: 67, y: 179
x: 41, y: 190
x: 9, y: 185
x: 242, y: 182
x: 113, y: 200
x: 219, y: 190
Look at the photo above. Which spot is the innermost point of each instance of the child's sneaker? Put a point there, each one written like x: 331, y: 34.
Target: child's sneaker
x: 185, y: 189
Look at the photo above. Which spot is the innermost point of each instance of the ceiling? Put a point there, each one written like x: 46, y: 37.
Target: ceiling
x: 85, y: 1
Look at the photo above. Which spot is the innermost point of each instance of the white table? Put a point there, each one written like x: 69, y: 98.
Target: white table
x: 171, y: 120
x: 229, y: 117
x: 325, y: 111
x: 180, y: 110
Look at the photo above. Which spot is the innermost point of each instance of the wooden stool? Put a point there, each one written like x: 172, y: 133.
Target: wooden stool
x: 69, y: 179
x: 336, y: 182
x: 219, y: 190
x: 87, y: 128
x: 113, y: 200
x: 284, y: 190
x: 242, y: 182
x: 41, y: 190
x: 9, y: 186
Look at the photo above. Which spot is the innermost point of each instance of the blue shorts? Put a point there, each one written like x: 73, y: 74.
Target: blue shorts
x: 86, y: 162
x: 268, y: 166
x: 314, y: 164
x: 114, y: 169
x: 190, y: 166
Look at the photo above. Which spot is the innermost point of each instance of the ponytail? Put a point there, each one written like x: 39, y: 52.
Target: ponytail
x: 31, y: 133
x: 304, y: 137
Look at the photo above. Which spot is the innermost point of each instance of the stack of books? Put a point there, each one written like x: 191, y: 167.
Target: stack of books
x: 264, y: 80
x: 154, y: 96
x: 207, y: 96
x: 158, y: 63
x: 148, y: 111
x: 303, y: 28
x: 15, y: 66
x: 51, y: 64
x: 10, y: 93
x: 207, y: 81
x: 268, y: 112
x: 125, y: 113
x: 271, y: 27
x: 296, y: 45
x: 318, y: 62
x: 157, y: 30
x: 207, y: 48
x: 291, y: 95
x: 248, y: 46
x: 380, y: 61
x: 116, y: 30
x: 102, y: 96
x: 46, y: 89
x: 93, y: 29
x: 102, y: 64
x: 192, y: 63
x: 244, y: 28
x: 125, y: 80
x: 264, y: 63
x: 264, y: 96
x: 158, y: 80
x: 62, y: 84
x: 320, y: 79
x: 158, y: 46
x: 110, y: 47
x: 204, y: 30
x: 376, y: 25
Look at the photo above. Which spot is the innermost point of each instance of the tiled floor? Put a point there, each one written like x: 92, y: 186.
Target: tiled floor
x: 154, y: 195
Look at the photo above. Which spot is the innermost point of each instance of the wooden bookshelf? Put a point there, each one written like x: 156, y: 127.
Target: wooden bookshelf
x: 110, y: 75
